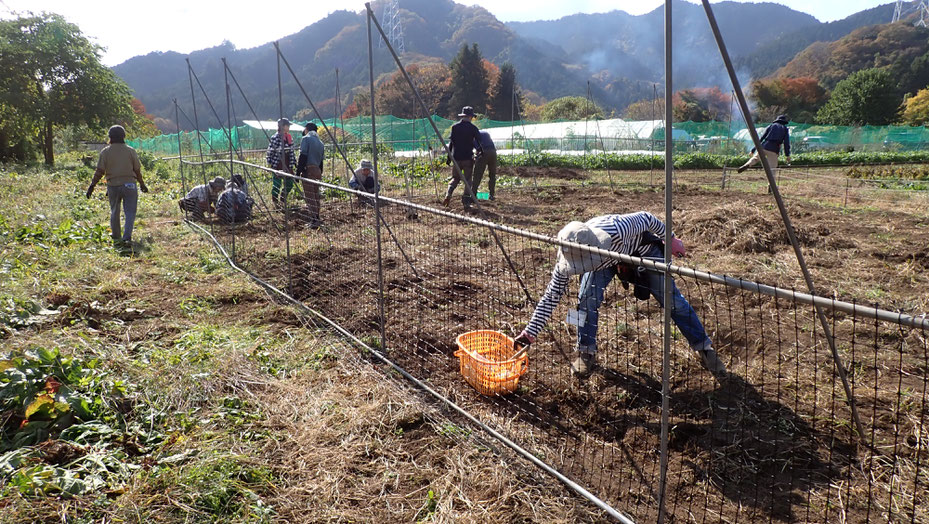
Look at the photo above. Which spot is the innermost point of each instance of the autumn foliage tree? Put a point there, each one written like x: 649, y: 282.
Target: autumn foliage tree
x: 799, y: 98
x: 700, y: 104
x: 916, y: 108
x: 433, y: 81
x: 571, y: 108
x: 645, y: 109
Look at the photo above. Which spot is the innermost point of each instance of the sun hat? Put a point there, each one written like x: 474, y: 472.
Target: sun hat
x: 219, y: 182
x: 283, y: 122
x: 573, y: 261
x: 366, y: 164
x: 466, y: 111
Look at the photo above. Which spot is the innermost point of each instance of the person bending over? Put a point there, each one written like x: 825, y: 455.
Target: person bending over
x: 634, y: 234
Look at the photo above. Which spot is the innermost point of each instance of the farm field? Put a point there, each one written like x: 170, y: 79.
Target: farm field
x: 257, y: 401
x: 444, y: 276
x: 232, y: 408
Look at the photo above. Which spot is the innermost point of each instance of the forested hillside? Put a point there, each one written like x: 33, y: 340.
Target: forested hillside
x: 901, y: 47
x: 618, y: 55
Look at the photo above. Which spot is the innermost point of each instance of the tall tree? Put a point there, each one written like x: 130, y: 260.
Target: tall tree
x: 469, y: 80
x: 504, y: 95
x: 571, y: 108
x: 916, y: 108
x: 799, y: 98
x: 645, y: 109
x: 52, y: 75
x: 433, y: 81
x: 700, y: 104
x: 867, y: 97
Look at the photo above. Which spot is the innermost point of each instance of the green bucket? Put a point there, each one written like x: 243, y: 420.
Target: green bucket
x: 483, y: 196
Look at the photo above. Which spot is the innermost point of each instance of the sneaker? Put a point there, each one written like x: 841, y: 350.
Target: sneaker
x: 741, y: 169
x: 584, y: 364
x: 446, y: 201
x: 491, y: 197
x: 712, y: 362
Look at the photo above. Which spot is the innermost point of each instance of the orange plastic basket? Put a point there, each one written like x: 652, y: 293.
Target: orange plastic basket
x: 486, y: 362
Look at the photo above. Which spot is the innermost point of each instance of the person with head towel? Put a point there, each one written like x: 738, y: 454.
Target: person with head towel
x: 363, y: 180
x: 635, y: 234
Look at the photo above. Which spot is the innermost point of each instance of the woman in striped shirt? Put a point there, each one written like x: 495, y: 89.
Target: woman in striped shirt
x: 634, y: 234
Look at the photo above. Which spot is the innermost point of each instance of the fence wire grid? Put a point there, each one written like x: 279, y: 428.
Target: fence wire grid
x: 773, y: 441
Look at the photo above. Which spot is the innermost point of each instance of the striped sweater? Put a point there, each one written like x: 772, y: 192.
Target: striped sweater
x: 627, y: 232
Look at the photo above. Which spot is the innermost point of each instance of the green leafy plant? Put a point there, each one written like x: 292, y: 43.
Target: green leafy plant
x: 69, y: 426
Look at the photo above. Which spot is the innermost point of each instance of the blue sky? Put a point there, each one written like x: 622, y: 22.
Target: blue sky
x: 132, y: 28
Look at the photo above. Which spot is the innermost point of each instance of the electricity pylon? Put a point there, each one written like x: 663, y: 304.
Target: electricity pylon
x: 921, y: 9
x: 390, y: 21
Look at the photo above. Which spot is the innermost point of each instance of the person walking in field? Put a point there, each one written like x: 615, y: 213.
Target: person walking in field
x: 280, y: 156
x: 120, y: 164
x: 487, y: 158
x: 310, y: 165
x: 464, y: 137
x: 635, y: 234
x: 771, y: 140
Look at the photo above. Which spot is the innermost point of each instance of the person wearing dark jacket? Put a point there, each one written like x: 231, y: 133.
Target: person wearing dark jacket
x: 772, y: 138
x: 487, y: 159
x: 465, y: 136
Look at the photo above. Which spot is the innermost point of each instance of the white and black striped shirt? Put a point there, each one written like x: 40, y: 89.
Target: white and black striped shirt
x: 626, y: 232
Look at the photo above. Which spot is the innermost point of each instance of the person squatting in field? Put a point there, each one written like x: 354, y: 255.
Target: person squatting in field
x: 771, y: 140
x: 202, y: 199
x: 635, y: 234
x: 234, y: 205
x: 363, y: 180
x: 310, y: 165
x: 486, y: 158
x: 465, y: 136
x: 280, y: 156
x: 120, y: 164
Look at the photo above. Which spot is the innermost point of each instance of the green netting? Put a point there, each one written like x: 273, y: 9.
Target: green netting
x: 417, y: 134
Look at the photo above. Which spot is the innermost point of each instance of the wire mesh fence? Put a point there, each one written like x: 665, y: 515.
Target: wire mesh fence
x: 772, y: 441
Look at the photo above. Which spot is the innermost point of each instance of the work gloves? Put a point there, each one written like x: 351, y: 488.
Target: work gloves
x: 90, y: 191
x: 524, y: 339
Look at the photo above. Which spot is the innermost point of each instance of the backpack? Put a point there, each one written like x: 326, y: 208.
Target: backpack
x: 234, y: 205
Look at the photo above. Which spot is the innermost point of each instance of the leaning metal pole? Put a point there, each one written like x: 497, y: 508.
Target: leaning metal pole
x: 377, y: 192
x: 772, y: 183
x: 180, y: 154
x: 668, y: 282
x: 335, y: 143
x: 467, y: 184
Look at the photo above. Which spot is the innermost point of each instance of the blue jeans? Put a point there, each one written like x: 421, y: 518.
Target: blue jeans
x: 590, y: 296
x: 128, y: 196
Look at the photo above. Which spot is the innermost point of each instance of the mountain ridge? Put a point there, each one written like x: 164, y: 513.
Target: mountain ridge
x: 618, y: 54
